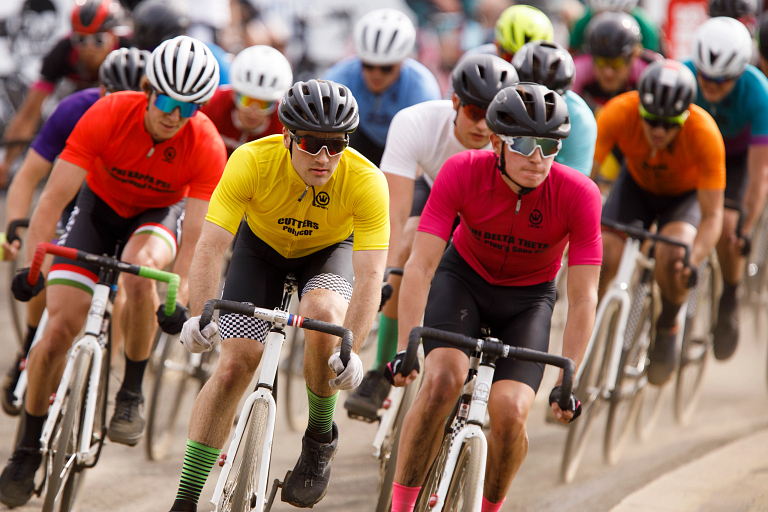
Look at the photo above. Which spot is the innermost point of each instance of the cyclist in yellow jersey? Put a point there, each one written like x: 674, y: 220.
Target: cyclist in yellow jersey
x: 314, y: 208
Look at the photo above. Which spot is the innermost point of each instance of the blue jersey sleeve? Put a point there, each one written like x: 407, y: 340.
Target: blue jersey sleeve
x: 755, y: 100
x: 343, y: 71
x: 423, y: 85
x: 54, y: 134
x: 579, y: 148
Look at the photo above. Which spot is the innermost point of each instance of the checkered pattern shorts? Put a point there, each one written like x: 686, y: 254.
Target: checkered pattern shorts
x: 239, y: 326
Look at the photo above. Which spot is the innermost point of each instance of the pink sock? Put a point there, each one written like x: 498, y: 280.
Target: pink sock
x: 492, y: 507
x: 404, y: 498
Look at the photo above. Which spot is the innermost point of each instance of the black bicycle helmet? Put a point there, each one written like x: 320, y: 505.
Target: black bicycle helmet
x: 319, y: 106
x: 529, y: 110
x: 477, y: 78
x: 762, y: 37
x: 733, y: 8
x: 613, y: 34
x: 666, y: 88
x: 123, y: 68
x: 156, y: 21
x: 92, y: 16
x: 545, y: 63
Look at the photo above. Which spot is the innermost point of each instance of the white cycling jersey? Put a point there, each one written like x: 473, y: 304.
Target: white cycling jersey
x: 421, y: 136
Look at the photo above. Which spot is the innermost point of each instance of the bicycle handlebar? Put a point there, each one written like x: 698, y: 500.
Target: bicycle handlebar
x: 396, y: 271
x: 283, y: 318
x: 44, y: 248
x: 15, y: 142
x: 13, y: 227
x: 494, y: 348
x: 640, y: 233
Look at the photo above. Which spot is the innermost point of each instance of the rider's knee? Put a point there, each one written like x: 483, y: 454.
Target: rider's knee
x: 324, y: 307
x: 443, y: 387
x: 231, y: 373
x: 58, y: 337
x: 509, y: 422
x: 136, y: 287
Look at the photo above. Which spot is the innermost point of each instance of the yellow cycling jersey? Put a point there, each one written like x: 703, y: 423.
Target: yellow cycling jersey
x: 260, y: 182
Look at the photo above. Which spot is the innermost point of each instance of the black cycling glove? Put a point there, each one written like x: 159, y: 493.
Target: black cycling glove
x: 694, y: 277
x: 747, y: 244
x: 21, y: 289
x: 573, y: 405
x: 396, y: 366
x: 172, y: 324
x: 386, y: 294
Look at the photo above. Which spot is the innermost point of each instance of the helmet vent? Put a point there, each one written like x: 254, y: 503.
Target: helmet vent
x: 305, y: 89
x: 326, y: 105
x: 391, y: 42
x: 376, y: 41
x: 261, y: 80
x: 481, y: 71
x: 313, y: 110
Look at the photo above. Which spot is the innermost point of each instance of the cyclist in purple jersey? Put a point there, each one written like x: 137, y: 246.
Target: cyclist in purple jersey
x: 121, y: 71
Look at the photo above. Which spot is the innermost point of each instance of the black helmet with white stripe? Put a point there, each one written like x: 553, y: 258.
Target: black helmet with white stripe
x: 184, y: 69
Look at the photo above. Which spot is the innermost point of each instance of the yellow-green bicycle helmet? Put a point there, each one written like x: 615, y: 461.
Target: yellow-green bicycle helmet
x: 521, y: 24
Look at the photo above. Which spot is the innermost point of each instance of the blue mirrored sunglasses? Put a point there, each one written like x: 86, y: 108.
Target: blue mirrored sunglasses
x: 168, y: 104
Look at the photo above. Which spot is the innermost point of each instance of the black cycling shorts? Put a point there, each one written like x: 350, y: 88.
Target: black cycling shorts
x: 627, y: 202
x: 421, y: 190
x: 736, y: 177
x: 257, y: 272
x: 461, y: 301
x: 96, y: 228
x: 368, y: 148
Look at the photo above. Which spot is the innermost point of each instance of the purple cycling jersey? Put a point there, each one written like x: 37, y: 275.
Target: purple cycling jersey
x: 54, y: 134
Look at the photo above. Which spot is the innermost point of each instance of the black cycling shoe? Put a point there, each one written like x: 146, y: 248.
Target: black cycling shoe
x: 662, y: 357
x: 307, y: 484
x: 17, y: 482
x: 9, y: 386
x: 365, y: 402
x: 127, y: 424
x: 726, y: 336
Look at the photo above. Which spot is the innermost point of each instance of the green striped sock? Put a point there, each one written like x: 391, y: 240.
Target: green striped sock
x: 320, y: 412
x: 198, y: 461
x: 387, y: 343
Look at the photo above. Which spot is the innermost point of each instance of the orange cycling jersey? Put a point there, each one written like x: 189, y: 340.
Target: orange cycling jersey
x: 695, y: 159
x: 131, y: 173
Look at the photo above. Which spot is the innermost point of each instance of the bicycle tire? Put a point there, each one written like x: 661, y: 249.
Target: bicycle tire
x: 168, y: 389
x: 66, y: 441
x: 242, y: 500
x: 589, y: 391
x: 695, y: 348
x: 432, y: 480
x: 465, y: 481
x: 296, y: 406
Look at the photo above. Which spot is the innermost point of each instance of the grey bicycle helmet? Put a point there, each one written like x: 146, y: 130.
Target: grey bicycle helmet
x: 613, y: 34
x: 123, y: 68
x: 733, y: 8
x: 156, y: 21
x: 319, y: 106
x: 666, y: 88
x: 545, y: 63
x: 529, y: 110
x: 477, y: 78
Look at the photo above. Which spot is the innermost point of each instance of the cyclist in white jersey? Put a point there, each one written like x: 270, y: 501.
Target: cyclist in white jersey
x: 422, y: 138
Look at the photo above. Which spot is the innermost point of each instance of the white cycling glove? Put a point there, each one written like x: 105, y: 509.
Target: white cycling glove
x: 351, y: 377
x: 197, y: 341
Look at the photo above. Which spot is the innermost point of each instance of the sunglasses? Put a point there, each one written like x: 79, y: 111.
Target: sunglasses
x: 384, y: 69
x: 313, y: 145
x: 244, y: 102
x: 168, y: 105
x: 473, y: 112
x: 667, y: 123
x: 99, y: 39
x: 719, y: 80
x: 610, y: 62
x: 526, y: 146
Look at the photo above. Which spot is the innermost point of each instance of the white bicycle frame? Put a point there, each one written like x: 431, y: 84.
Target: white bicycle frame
x: 21, y: 384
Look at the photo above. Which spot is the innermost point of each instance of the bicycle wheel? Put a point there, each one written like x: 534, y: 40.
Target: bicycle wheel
x: 630, y: 379
x: 242, y: 489
x: 651, y: 398
x: 697, y: 339
x: 433, y: 476
x: 589, y: 391
x: 172, y: 372
x: 466, y: 478
x: 296, y: 406
x: 62, y: 489
x: 18, y: 309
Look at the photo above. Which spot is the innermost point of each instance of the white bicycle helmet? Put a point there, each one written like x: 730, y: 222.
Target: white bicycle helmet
x: 261, y: 72
x: 611, y: 5
x: 722, y: 48
x: 184, y: 69
x: 384, y: 36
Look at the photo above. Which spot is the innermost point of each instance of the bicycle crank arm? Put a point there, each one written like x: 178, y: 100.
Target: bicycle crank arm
x: 275, y: 485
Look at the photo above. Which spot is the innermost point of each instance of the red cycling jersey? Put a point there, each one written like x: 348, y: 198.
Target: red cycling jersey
x: 131, y: 173
x: 513, y: 240
x: 221, y: 110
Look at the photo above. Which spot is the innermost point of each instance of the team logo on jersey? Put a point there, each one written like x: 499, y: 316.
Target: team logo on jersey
x: 321, y: 200
x: 535, y: 217
x: 169, y: 154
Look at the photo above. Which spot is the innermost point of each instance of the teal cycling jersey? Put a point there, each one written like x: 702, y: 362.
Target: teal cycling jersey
x: 740, y: 116
x: 579, y: 148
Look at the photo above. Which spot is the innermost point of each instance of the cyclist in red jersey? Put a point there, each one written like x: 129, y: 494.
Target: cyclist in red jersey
x: 246, y: 110
x: 140, y: 155
x: 518, y: 211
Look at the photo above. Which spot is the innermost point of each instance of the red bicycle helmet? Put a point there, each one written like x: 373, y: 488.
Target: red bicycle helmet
x: 92, y: 16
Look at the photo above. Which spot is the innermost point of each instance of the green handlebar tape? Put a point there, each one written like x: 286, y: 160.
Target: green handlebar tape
x: 173, y: 281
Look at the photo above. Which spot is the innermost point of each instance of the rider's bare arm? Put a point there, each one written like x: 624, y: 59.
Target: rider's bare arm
x: 366, y: 293
x: 711, y: 203
x: 400, y: 202
x: 63, y: 185
x: 205, y: 269
x: 582, y: 303
x: 22, y: 126
x: 194, y: 217
x: 757, y: 185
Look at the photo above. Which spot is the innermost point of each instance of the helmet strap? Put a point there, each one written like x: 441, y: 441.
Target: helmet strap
x: 501, y: 165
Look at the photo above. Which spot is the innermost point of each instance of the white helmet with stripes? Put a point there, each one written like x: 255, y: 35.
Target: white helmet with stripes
x: 261, y: 72
x: 184, y: 69
x: 384, y: 36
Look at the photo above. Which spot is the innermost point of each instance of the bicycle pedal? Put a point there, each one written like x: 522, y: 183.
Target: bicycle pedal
x: 365, y: 419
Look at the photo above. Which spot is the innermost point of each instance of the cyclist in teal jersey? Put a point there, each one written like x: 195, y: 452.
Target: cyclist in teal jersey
x: 735, y: 94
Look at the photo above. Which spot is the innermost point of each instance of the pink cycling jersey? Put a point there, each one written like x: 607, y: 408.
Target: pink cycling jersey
x: 513, y: 240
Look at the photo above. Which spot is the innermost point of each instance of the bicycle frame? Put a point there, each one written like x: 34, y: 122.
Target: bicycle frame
x: 395, y: 397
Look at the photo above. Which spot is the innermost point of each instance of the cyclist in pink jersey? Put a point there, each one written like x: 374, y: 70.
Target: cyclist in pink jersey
x: 518, y: 211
